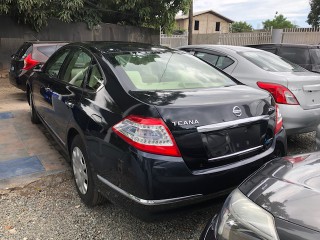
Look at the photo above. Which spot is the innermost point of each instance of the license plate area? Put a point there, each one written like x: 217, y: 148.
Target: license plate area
x: 229, y: 142
x: 312, y: 98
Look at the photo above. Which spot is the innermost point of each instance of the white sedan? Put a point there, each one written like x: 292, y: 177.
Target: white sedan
x: 296, y: 90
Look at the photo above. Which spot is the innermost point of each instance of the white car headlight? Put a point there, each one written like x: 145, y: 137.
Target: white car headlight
x: 242, y: 219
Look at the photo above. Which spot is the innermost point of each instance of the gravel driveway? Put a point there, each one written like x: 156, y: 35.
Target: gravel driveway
x: 51, y: 209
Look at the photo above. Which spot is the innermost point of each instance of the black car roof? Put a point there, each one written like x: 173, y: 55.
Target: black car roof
x: 112, y: 46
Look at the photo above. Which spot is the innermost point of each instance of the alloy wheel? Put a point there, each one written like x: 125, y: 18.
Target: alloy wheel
x: 80, y: 170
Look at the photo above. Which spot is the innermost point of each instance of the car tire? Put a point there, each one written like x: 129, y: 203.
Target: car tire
x: 83, y: 174
x: 34, y: 116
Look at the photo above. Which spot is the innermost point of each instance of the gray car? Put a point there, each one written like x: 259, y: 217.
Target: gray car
x: 296, y: 90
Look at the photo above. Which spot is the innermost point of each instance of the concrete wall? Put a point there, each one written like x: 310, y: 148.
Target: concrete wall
x: 12, y: 35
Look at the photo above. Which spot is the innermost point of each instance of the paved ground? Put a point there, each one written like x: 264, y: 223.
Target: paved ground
x: 50, y: 208
x: 19, y: 139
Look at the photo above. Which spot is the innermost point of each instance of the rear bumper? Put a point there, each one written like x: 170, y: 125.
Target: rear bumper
x: 156, y: 183
x: 19, y: 81
x: 297, y: 120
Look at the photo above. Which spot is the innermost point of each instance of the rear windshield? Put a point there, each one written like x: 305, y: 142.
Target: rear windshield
x: 270, y: 62
x: 168, y: 71
x: 315, y: 56
x: 296, y: 55
x: 24, y: 50
x: 47, y: 50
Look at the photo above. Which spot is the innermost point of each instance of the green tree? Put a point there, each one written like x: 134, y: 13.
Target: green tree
x: 241, y: 27
x: 314, y: 15
x: 134, y: 12
x: 278, y: 22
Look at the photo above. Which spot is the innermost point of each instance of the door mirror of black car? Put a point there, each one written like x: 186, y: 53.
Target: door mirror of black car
x: 38, y: 68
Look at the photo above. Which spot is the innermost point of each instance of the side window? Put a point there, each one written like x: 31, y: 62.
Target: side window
x: 95, y: 78
x: 54, y: 65
x: 224, y: 62
x: 209, y: 58
x: 77, y: 69
x: 218, y: 61
x: 295, y: 55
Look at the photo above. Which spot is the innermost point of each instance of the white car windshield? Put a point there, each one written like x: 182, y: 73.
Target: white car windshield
x: 271, y: 62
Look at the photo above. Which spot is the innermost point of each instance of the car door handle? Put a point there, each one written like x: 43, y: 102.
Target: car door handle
x: 69, y: 104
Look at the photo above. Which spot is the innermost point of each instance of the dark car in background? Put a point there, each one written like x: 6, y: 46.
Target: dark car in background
x: 27, y: 57
x: 278, y: 202
x: 307, y: 56
x: 150, y: 126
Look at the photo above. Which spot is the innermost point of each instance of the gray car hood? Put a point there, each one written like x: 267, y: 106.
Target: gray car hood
x: 289, y: 188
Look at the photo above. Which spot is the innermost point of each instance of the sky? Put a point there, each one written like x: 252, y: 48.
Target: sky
x: 257, y: 11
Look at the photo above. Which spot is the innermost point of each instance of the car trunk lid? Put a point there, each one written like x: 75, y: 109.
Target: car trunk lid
x: 215, y: 127
x: 306, y: 88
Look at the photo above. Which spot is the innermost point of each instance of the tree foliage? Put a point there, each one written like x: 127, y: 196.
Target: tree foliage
x: 278, y: 22
x: 314, y: 15
x: 36, y: 13
x: 241, y: 27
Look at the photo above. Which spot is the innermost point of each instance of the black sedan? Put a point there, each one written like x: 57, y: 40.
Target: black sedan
x: 278, y: 202
x: 151, y: 126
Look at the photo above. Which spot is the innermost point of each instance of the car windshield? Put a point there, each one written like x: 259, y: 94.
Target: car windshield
x: 168, y: 70
x: 270, y: 62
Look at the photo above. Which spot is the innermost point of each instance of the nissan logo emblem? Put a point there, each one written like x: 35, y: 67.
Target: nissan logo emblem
x: 237, y: 111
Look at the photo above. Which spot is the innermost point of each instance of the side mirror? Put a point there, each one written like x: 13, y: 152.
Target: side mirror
x: 38, y: 68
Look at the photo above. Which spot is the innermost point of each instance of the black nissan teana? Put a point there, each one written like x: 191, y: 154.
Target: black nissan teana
x: 151, y: 126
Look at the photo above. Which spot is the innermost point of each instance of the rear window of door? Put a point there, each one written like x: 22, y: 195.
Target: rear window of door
x: 95, y: 78
x: 216, y: 60
x: 54, y: 65
x: 300, y: 56
x: 77, y: 69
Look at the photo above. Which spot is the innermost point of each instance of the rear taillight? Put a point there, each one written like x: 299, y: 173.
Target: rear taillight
x: 280, y: 93
x: 278, y: 120
x: 148, y: 135
x: 29, y: 63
